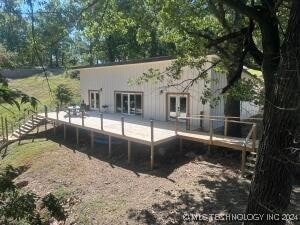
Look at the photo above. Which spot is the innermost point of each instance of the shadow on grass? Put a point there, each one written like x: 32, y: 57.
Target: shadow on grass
x: 228, y: 195
x: 167, y: 156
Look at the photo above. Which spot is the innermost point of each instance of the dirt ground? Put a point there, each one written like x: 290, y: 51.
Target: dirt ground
x: 100, y: 190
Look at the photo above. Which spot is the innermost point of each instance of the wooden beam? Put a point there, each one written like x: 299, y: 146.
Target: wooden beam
x: 101, y: 120
x: 225, y: 126
x: 46, y: 129
x: 210, y: 131
x: 254, y: 138
x: 243, y: 162
x: 122, y: 124
x: 176, y: 125
x: 152, y: 157
x: 129, y: 152
x: 82, y: 118
x: 65, y: 132
x: 109, y: 146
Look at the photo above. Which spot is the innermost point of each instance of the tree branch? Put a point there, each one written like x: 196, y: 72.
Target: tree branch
x: 243, y: 8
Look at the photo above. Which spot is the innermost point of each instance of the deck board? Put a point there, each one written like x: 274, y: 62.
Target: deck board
x: 139, y: 130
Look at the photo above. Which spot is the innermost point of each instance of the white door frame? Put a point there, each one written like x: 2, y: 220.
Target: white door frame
x: 93, y: 105
x: 178, y: 111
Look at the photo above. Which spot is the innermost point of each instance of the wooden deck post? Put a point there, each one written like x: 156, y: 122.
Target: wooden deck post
x: 109, y: 146
x: 6, y: 128
x: 243, y: 161
x: 187, y: 125
x: 254, y: 138
x: 69, y: 114
x: 82, y: 118
x: 92, y: 139
x: 46, y: 111
x: 77, y: 136
x: 129, y: 152
x: 2, y: 126
x: 152, y: 157
x: 176, y: 125
x: 65, y: 132
x: 101, y: 120
x: 46, y: 129
x: 210, y: 131
x: 122, y: 122
x: 225, y: 126
x: 152, y: 145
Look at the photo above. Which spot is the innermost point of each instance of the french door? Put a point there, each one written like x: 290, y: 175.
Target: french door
x: 94, y: 100
x: 178, y: 105
x: 129, y: 103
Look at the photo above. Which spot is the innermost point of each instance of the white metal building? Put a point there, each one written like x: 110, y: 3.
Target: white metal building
x: 106, y: 88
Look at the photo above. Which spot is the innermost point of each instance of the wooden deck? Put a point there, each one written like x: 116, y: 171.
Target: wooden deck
x: 151, y: 133
x: 139, y: 131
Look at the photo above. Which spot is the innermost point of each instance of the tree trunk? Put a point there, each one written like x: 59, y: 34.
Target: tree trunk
x: 271, y: 187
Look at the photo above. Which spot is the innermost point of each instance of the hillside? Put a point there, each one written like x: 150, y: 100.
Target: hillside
x: 37, y: 87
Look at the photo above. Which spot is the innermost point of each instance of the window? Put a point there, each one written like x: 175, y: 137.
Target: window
x: 128, y: 103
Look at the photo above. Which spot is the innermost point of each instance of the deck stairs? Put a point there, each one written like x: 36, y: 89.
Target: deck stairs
x: 250, y: 165
x: 27, y: 127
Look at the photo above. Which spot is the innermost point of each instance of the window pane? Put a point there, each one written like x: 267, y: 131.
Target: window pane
x: 138, y: 104
x: 183, y: 104
x: 118, y: 103
x: 125, y: 103
x: 132, y: 104
x: 97, y: 101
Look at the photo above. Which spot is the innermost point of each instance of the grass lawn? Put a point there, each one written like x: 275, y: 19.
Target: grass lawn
x: 37, y: 86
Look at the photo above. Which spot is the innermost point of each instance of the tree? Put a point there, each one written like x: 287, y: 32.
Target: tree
x: 63, y: 94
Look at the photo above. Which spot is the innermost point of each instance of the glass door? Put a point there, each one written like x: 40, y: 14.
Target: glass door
x: 178, y: 106
x: 128, y: 103
x: 94, y: 100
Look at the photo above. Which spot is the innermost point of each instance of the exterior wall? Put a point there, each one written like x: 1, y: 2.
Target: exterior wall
x: 115, y: 78
x: 247, y: 109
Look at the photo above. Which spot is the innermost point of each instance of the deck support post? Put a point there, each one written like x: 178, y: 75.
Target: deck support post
x: 46, y: 111
x: 152, y: 157
x: 176, y: 125
x: 187, y: 122
x: 210, y: 132
x: 152, y: 145
x: 254, y: 138
x: 225, y: 126
x: 77, y: 136
x: 180, y: 145
x: 82, y: 118
x: 46, y: 129
x: 92, y: 139
x: 122, y: 122
x: 129, y: 152
x: 65, y: 132
x: 109, y: 146
x: 243, y: 161
x: 101, y: 119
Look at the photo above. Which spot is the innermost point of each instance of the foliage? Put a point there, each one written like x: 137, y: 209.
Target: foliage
x: 18, y: 206
x: 63, y: 94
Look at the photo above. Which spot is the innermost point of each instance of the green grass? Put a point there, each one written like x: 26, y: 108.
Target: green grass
x: 37, y: 87
x: 26, y: 153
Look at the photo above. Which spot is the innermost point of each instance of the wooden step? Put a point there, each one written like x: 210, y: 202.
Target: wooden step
x: 251, y: 165
x: 252, y: 159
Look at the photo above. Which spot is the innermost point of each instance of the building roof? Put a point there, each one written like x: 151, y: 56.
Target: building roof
x: 136, y: 61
